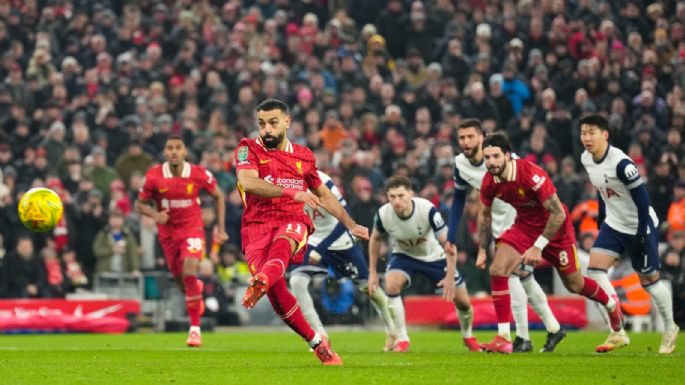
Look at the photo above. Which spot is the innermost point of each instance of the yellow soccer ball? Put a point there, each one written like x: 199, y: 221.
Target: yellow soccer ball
x: 40, y: 209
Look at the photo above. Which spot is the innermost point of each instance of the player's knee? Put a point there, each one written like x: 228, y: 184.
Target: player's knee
x: 646, y: 280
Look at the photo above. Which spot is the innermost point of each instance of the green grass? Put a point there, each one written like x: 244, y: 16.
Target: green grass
x: 268, y: 358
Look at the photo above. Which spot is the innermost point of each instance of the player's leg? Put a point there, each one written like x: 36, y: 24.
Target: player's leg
x: 538, y: 301
x: 565, y: 260
x: 394, y: 281
x: 286, y: 306
x: 606, y: 250
x: 300, y: 278
x: 352, y: 263
x: 287, y: 241
x: 505, y: 261
x: 191, y: 246
x: 462, y: 303
x: 646, y: 263
x: 519, y: 310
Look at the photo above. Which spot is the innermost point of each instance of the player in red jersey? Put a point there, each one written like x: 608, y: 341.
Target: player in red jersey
x: 174, y: 187
x: 542, y: 229
x: 273, y: 178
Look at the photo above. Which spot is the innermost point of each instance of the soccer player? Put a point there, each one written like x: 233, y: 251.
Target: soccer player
x: 174, y: 188
x: 542, y: 229
x: 332, y: 249
x: 630, y: 226
x: 470, y: 170
x: 274, y: 176
x: 419, y: 245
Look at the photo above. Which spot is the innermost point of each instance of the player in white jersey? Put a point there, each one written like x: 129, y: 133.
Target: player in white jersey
x: 469, y: 172
x: 630, y: 226
x: 419, y: 245
x: 331, y: 250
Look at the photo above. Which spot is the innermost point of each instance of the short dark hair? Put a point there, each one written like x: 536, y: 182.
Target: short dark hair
x: 398, y: 181
x: 175, y: 137
x: 468, y: 123
x: 498, y: 139
x: 273, y: 104
x: 595, y: 120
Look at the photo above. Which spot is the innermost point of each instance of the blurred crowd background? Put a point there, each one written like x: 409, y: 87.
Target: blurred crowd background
x: 90, y: 90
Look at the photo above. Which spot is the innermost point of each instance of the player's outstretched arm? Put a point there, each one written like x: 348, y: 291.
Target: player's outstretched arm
x: 250, y: 182
x: 374, y: 249
x: 557, y: 216
x: 331, y: 203
x: 484, y: 234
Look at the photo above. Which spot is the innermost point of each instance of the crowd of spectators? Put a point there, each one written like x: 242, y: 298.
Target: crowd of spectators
x: 90, y: 90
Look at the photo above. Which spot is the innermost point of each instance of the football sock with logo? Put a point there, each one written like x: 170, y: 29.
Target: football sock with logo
x: 664, y: 303
x: 279, y: 257
x: 193, y: 299
x: 519, y: 306
x: 299, y: 284
x: 538, y: 301
x: 502, y: 302
x: 397, y: 311
x: 286, y: 306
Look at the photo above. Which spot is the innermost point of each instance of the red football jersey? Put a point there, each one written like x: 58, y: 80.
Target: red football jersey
x: 293, y: 168
x: 528, y: 188
x: 179, y: 194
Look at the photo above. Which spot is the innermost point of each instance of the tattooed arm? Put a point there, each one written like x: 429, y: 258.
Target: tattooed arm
x: 484, y: 234
x: 557, y: 216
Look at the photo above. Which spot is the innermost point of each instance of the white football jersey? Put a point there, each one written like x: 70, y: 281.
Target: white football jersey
x: 467, y: 174
x: 614, y: 176
x: 329, y: 232
x: 416, y: 236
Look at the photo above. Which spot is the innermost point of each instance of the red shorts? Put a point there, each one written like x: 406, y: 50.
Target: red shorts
x: 181, y: 244
x: 560, y: 252
x: 257, y: 241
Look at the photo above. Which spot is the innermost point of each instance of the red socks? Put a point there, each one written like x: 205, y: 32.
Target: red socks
x: 286, y: 306
x: 279, y: 258
x: 193, y: 299
x: 592, y: 290
x: 501, y: 298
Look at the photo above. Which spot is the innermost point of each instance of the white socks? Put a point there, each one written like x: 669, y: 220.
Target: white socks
x: 519, y: 306
x: 380, y: 302
x: 466, y: 322
x: 664, y: 303
x: 602, y: 279
x: 397, y: 312
x: 504, y: 330
x: 538, y: 300
x: 299, y: 283
x: 195, y: 329
x: 315, y: 341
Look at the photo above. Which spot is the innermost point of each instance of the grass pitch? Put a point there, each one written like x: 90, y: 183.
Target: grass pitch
x: 436, y: 357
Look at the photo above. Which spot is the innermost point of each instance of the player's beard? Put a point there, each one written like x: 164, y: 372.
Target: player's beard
x: 271, y: 141
x: 497, y: 171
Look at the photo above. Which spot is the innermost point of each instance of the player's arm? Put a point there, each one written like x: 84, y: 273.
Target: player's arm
x: 251, y: 183
x: 332, y: 204
x: 557, y: 216
x: 484, y: 226
x: 457, y: 208
x: 146, y: 206
x: 374, y: 250
x: 601, y: 215
x: 447, y: 283
x: 220, y: 214
x: 628, y: 174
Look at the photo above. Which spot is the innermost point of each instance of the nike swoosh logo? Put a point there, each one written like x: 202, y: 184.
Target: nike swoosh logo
x: 163, y: 190
x: 264, y: 161
x: 645, y: 269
